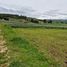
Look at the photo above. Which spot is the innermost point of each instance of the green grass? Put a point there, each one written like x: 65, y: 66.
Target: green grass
x: 51, y: 42
x: 35, y: 47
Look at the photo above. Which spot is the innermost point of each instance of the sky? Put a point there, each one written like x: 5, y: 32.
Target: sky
x: 48, y: 8
x: 40, y: 5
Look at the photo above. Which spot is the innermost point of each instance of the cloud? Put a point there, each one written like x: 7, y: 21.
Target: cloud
x: 30, y: 12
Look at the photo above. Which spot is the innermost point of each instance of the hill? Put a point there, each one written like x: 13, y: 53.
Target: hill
x: 24, y: 21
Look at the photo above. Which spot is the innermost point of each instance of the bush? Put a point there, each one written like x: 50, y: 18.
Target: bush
x: 50, y: 21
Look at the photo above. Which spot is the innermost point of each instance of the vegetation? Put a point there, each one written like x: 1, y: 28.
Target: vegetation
x: 29, y: 19
x: 38, y: 47
x: 27, y: 22
x: 32, y: 42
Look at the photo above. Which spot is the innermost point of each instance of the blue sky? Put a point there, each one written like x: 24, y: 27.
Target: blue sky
x: 40, y: 5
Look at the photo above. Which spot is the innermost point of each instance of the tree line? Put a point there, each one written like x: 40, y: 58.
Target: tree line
x: 28, y: 19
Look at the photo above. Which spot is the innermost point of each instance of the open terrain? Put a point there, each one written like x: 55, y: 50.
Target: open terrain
x: 35, y: 47
x: 31, y: 42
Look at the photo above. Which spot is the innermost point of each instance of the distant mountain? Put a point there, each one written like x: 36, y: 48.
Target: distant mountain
x: 50, y: 14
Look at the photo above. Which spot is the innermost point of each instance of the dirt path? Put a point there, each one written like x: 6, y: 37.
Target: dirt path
x: 3, y: 52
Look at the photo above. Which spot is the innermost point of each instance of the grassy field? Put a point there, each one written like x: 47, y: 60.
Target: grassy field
x: 19, y: 24
x: 36, y: 47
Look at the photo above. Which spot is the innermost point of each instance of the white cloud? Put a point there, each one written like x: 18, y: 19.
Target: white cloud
x: 38, y: 8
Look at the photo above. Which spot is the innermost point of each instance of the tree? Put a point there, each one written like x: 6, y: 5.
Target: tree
x: 7, y: 19
x: 49, y: 21
x: 45, y: 21
x: 34, y: 21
